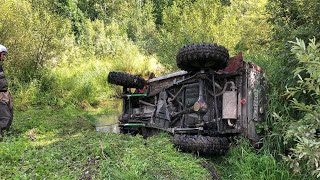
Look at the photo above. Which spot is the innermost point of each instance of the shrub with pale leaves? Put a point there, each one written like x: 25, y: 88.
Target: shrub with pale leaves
x: 303, y: 131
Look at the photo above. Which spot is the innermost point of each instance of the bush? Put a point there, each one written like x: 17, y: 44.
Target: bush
x: 33, y: 37
x: 305, y: 100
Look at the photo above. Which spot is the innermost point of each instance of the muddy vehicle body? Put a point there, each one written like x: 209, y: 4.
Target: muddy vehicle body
x: 211, y: 100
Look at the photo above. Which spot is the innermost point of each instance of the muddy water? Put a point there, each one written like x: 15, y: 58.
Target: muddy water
x: 109, y: 122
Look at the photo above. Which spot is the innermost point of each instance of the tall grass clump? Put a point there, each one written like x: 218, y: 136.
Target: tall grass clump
x: 243, y: 162
x: 81, y: 78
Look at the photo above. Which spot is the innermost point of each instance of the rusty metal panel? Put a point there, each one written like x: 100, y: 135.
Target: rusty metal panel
x: 251, y: 107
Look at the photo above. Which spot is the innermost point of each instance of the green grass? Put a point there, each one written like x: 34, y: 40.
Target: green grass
x: 47, y: 143
x: 52, y: 144
x: 245, y: 162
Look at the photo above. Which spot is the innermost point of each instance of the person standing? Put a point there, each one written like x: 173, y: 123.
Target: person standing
x: 6, y: 101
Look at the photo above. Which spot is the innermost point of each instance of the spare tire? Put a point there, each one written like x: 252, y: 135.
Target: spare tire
x: 205, y: 145
x: 194, y: 57
x: 125, y: 79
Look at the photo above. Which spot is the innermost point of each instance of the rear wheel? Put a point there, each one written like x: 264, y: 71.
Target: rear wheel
x: 125, y: 79
x: 201, y: 56
x: 205, y: 145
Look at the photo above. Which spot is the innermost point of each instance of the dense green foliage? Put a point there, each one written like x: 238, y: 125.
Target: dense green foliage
x: 295, y: 115
x: 88, y: 39
x: 239, y: 26
x: 291, y: 19
x: 303, y: 129
x: 60, y: 52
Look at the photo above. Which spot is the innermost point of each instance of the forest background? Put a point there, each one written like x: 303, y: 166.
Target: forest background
x: 60, y: 52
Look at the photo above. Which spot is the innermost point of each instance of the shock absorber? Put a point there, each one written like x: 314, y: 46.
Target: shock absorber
x: 200, y: 107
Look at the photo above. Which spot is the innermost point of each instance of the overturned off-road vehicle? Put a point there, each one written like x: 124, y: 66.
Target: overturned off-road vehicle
x: 212, y: 99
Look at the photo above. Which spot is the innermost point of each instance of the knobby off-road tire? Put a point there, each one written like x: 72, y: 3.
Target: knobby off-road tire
x: 194, y: 57
x: 204, y: 145
x: 125, y: 79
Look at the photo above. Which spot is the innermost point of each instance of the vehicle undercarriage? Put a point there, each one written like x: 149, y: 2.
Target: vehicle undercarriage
x: 212, y: 99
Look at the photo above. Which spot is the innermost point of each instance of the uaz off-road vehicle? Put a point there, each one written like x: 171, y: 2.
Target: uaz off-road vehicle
x: 213, y: 98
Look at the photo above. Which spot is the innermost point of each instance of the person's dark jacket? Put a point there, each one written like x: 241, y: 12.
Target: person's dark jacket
x: 3, y: 81
x: 6, y: 104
